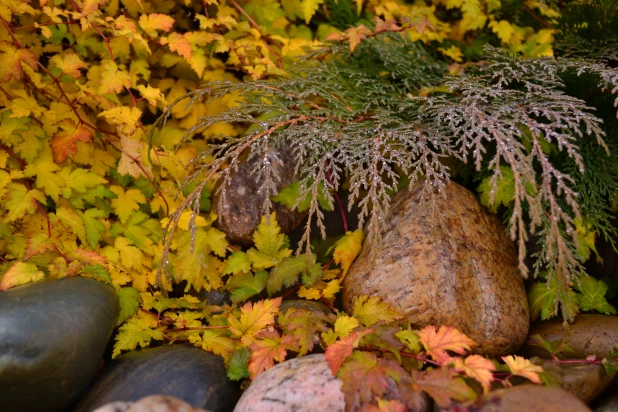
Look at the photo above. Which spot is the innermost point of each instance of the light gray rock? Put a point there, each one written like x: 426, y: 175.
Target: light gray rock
x: 303, y: 385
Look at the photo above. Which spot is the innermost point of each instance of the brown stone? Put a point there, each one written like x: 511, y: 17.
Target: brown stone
x: 153, y: 403
x: 531, y: 398
x: 454, y: 267
x: 311, y: 305
x: 584, y: 381
x: 588, y: 335
x: 240, y: 211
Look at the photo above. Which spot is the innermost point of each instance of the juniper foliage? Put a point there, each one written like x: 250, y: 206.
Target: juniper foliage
x: 388, y: 111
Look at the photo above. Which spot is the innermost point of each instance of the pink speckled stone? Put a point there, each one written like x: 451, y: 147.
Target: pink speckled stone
x: 301, y: 385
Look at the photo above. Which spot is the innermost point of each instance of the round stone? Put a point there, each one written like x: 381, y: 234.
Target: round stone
x: 182, y: 371
x: 533, y: 398
x: 52, y: 337
x: 304, y: 384
x: 452, y: 266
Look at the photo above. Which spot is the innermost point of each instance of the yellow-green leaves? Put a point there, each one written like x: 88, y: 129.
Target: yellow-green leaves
x: 286, y: 273
x: 139, y: 330
x: 592, y: 296
x: 347, y: 248
x: 369, y: 310
x: 269, y: 244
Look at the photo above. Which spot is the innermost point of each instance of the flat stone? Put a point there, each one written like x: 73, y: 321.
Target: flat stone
x: 455, y: 267
x: 533, y: 398
x: 588, y: 335
x: 153, y: 403
x: 182, y: 371
x: 240, y: 212
x: 584, y: 381
x: 52, y: 337
x: 304, y: 384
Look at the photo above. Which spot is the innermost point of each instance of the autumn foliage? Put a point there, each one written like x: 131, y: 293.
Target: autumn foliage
x: 88, y: 184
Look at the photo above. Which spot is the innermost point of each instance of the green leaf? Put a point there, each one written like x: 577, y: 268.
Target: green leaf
x: 238, y: 262
x: 20, y: 201
x: 238, y: 368
x: 593, y: 296
x: 99, y: 273
x: 244, y: 285
x: 504, y: 193
x: 543, y: 298
x: 72, y: 220
x: 288, y: 196
x: 286, y: 273
x: 94, y: 227
x: 129, y: 300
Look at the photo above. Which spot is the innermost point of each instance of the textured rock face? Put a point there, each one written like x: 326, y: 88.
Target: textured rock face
x: 240, y: 212
x: 531, y: 398
x: 588, y: 335
x: 185, y: 372
x: 302, y: 385
x: 154, y: 403
x: 52, y: 337
x: 456, y: 267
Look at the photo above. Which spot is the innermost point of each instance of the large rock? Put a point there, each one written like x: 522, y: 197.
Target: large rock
x: 240, y: 211
x: 584, y: 381
x: 455, y: 267
x: 533, y: 398
x: 185, y: 372
x: 52, y: 336
x: 303, y: 385
x: 588, y: 335
x: 153, y: 403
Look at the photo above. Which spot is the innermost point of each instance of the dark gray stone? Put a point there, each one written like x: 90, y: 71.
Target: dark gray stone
x: 185, y: 372
x: 240, y: 213
x: 52, y: 336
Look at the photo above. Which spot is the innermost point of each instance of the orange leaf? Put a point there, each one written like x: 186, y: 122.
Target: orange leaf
x: 523, y: 367
x: 442, y: 385
x: 476, y: 367
x: 446, y: 338
x: 20, y: 273
x: 38, y: 244
x: 70, y: 64
x: 180, y: 45
x: 337, y: 353
x: 11, y: 60
x: 64, y: 143
x: 355, y: 35
x: 269, y: 348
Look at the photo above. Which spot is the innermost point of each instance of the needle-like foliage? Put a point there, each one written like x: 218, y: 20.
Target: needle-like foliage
x: 387, y: 111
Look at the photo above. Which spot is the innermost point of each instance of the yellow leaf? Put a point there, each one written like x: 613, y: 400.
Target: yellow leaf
x: 20, y: 273
x: 180, y: 44
x: 269, y: 243
x: 126, y: 118
x: 347, y: 248
x: 132, y: 149
x: 130, y: 256
x: 369, y: 310
x: 503, y: 29
x: 523, y: 367
x: 309, y: 8
x: 126, y: 202
x: 253, y: 319
x: 46, y: 177
x: 24, y: 105
x: 344, y: 325
x: 214, y: 341
x: 309, y: 293
x: 453, y: 52
x: 19, y: 201
x: 70, y: 64
x: 113, y: 80
x: 150, y: 23
x: 151, y: 94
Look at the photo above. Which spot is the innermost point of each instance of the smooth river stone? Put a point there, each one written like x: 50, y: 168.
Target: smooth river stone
x: 588, y: 335
x: 153, y: 403
x: 182, y: 371
x: 455, y: 267
x: 531, y: 398
x: 581, y: 380
x: 304, y: 384
x: 52, y: 337
x: 240, y: 212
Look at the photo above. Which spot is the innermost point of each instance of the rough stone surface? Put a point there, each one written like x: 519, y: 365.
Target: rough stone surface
x: 241, y: 211
x: 301, y: 385
x: 185, y: 372
x: 455, y: 267
x: 303, y: 304
x: 52, y: 337
x: 531, y: 398
x: 588, y: 335
x: 586, y: 382
x: 154, y: 403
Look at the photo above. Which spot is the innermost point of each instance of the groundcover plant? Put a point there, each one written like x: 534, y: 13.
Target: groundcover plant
x: 517, y: 101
